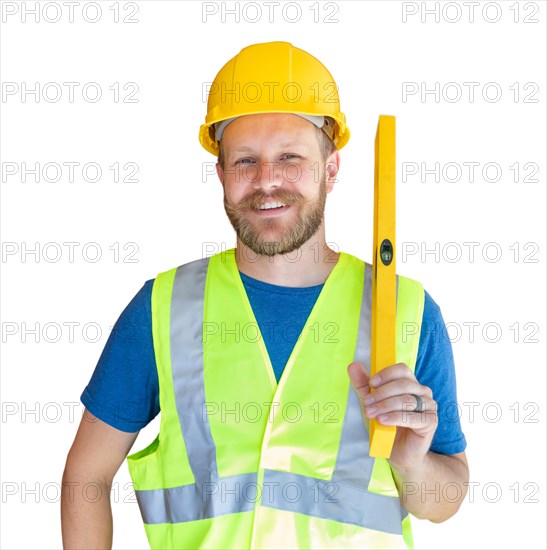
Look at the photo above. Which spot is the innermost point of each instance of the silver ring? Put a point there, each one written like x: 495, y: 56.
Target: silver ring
x: 419, y: 403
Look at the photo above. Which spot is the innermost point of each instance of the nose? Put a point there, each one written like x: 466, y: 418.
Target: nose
x: 267, y: 175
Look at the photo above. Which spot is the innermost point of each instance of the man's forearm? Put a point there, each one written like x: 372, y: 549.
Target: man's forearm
x: 86, y: 515
x: 434, y: 489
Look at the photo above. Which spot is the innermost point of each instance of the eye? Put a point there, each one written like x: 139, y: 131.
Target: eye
x: 243, y: 161
x: 290, y: 155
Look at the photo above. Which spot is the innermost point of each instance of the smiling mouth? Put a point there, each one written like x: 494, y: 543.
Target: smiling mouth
x: 269, y: 210
x: 271, y: 206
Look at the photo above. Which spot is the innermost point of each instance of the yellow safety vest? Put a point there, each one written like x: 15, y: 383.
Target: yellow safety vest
x: 242, y: 461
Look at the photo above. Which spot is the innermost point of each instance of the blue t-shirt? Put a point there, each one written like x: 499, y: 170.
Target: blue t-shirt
x: 124, y: 392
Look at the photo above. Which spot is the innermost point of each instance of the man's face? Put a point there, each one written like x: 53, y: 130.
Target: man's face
x: 274, y: 181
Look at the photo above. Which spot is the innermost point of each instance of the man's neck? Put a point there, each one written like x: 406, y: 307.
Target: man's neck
x: 310, y: 265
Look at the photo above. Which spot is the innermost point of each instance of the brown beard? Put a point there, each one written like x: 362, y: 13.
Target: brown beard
x: 292, y: 237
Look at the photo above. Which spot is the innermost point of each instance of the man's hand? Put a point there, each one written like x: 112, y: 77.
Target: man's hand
x: 420, y: 475
x: 391, y: 402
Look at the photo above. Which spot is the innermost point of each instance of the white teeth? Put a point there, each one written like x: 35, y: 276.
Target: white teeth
x: 268, y: 205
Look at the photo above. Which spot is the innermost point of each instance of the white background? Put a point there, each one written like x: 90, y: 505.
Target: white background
x: 170, y: 52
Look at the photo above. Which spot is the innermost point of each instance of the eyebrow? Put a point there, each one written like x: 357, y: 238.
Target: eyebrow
x: 281, y: 145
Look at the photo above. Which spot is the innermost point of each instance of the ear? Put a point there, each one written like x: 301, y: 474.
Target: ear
x: 332, y: 167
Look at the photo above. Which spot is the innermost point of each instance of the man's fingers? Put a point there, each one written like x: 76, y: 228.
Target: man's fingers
x: 418, y: 422
x: 400, y: 387
x: 393, y: 372
x: 359, y: 378
x: 401, y: 405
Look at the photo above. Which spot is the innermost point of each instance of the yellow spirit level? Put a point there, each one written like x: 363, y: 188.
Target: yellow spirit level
x: 384, y: 304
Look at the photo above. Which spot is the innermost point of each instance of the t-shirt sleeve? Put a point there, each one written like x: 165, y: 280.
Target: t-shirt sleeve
x: 123, y: 390
x: 435, y: 369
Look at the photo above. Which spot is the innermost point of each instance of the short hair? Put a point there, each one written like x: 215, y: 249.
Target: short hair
x: 326, y: 147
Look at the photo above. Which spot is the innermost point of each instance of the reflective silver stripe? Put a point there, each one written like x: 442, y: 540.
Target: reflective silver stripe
x: 187, y: 366
x: 353, y: 464
x: 331, y: 500
x: 207, y: 499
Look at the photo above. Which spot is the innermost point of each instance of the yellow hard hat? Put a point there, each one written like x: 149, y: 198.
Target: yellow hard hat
x: 273, y: 77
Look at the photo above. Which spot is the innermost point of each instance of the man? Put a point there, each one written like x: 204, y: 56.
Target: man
x: 258, y: 358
